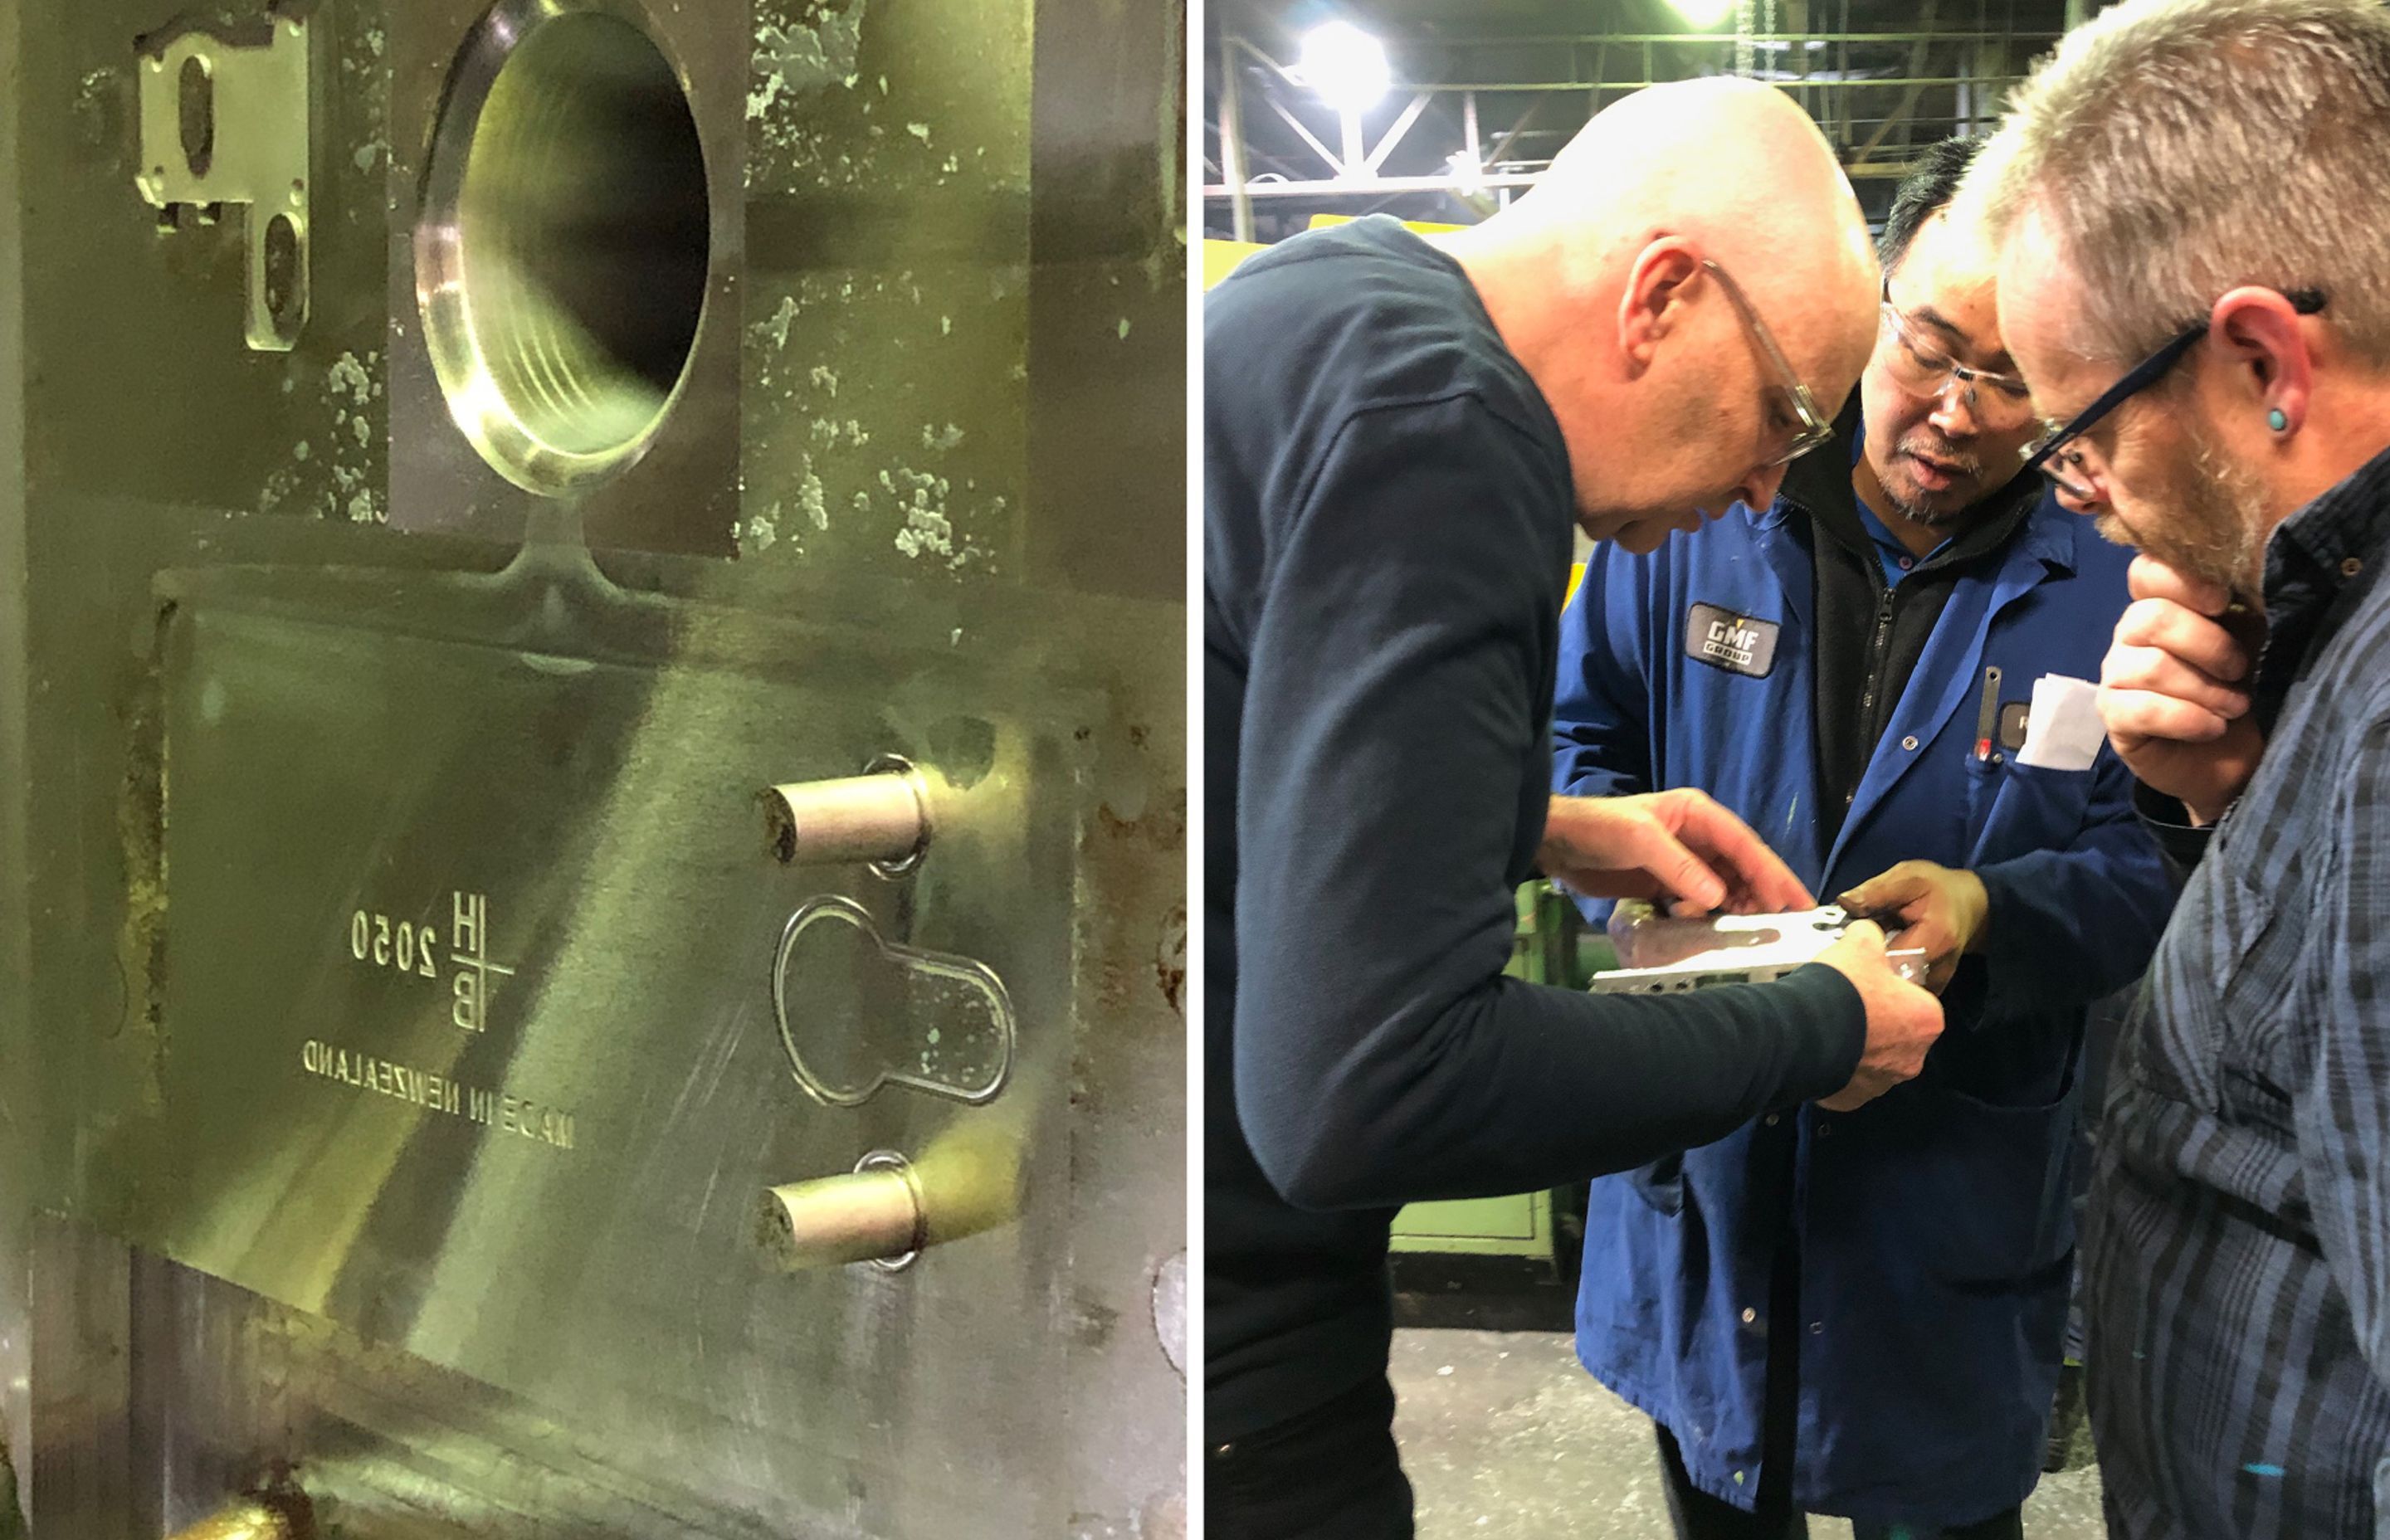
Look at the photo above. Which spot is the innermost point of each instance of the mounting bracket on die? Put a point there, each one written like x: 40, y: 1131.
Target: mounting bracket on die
x: 224, y: 126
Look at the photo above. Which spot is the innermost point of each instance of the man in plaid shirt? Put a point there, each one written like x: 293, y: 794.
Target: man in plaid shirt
x: 2192, y: 201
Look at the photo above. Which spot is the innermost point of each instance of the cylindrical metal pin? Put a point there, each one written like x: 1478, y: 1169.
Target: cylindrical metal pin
x: 872, y: 1214
x: 882, y: 818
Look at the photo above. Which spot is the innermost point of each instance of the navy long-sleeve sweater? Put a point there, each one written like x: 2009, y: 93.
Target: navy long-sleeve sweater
x: 1387, y: 507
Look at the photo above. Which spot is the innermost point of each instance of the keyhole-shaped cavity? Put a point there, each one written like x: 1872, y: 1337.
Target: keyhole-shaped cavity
x: 857, y: 1011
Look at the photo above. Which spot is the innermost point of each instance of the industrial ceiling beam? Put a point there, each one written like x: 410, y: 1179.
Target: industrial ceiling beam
x: 1905, y: 112
x: 1876, y: 143
x: 1351, y: 186
x: 1394, y: 132
x: 1232, y: 144
x: 1335, y: 162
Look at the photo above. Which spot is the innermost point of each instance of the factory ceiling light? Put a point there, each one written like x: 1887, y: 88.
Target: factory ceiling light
x: 1705, y: 14
x: 1345, y: 64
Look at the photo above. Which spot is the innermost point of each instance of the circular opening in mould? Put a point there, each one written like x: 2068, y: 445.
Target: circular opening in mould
x: 562, y: 255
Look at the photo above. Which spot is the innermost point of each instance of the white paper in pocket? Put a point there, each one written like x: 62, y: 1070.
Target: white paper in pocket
x: 2063, y: 730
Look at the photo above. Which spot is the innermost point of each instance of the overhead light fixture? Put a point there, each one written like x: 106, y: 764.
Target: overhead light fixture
x: 1467, y: 172
x: 1707, y: 14
x: 1345, y: 64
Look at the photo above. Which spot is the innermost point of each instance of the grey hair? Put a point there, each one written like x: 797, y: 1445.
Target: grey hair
x: 2178, y: 148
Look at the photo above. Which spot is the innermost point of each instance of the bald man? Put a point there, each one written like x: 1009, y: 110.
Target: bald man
x: 1398, y: 436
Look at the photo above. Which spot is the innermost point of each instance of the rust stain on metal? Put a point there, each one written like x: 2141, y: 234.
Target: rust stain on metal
x: 1170, y: 959
x: 1162, y: 829
x: 141, y: 832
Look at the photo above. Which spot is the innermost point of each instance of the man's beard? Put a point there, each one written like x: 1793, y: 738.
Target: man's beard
x: 1931, y: 514
x: 2209, y: 529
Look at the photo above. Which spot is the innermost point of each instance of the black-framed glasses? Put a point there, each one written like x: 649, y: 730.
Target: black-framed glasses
x: 2052, y: 454
x: 1811, y: 426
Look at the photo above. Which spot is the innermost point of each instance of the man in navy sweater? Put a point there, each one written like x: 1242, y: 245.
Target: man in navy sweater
x: 1398, y: 437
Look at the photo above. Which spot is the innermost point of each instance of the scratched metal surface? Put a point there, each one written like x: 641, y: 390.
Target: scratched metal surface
x: 285, y: 653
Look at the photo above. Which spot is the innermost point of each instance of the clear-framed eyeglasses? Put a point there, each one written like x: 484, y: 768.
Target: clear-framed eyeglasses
x: 1999, y: 402
x: 1798, y: 424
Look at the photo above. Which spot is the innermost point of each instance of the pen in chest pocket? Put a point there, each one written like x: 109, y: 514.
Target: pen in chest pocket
x: 1987, y: 720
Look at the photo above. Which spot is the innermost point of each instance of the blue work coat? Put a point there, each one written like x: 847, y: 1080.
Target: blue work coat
x: 1935, y: 1235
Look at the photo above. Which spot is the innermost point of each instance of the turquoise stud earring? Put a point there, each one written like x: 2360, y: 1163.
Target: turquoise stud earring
x: 2277, y: 421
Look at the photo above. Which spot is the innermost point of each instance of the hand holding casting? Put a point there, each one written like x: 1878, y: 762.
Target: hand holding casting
x: 1936, y: 910
x: 1902, y: 1020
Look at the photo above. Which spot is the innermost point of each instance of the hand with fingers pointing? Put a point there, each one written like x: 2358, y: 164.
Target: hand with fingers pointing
x: 1680, y: 848
x: 2174, y: 691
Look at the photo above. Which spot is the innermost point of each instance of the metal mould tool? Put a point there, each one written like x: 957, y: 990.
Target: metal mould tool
x: 464, y: 1227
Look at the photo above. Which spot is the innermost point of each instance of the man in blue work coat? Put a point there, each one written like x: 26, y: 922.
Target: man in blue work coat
x: 1861, y: 1313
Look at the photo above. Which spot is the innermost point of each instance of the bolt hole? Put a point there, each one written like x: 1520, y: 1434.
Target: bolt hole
x: 282, y: 276
x: 199, y: 114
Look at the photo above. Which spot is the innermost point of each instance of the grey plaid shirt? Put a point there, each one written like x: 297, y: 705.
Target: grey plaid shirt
x: 2238, y: 1238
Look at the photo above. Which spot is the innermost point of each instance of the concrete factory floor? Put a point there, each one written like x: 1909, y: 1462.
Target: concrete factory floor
x: 1506, y: 1438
